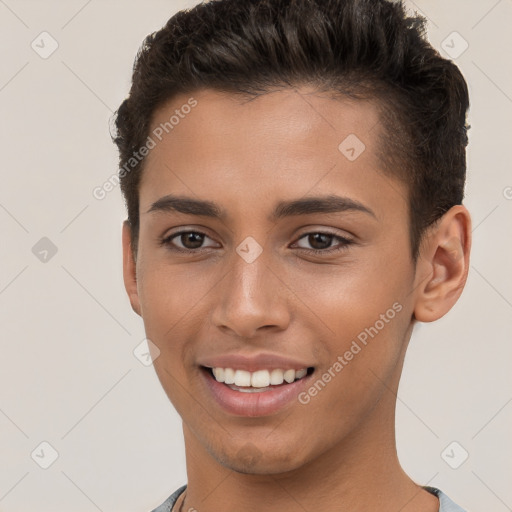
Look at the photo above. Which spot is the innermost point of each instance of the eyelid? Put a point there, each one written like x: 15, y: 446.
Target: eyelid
x: 325, y: 231
x: 343, y: 242
x: 167, y: 240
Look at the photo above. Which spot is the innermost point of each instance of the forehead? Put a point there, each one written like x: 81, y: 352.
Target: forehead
x: 290, y: 142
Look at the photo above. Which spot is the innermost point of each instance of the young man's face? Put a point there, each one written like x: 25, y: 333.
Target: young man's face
x: 226, y: 304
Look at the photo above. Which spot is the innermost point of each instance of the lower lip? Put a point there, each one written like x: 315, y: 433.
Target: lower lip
x: 255, y: 404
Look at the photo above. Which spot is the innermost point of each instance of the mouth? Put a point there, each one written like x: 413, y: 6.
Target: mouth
x: 258, y: 381
x: 255, y: 393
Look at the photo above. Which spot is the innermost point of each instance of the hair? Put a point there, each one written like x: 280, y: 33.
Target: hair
x: 358, y: 49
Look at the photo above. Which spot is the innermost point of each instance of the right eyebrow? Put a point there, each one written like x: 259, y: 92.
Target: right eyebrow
x: 187, y: 205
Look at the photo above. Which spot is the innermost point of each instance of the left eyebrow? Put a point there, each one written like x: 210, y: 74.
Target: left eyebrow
x: 303, y: 206
x: 320, y: 204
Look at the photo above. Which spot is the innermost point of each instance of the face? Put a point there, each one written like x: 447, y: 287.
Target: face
x: 289, y: 250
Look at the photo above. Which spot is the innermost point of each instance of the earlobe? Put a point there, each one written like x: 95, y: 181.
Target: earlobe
x: 443, y: 265
x: 129, y: 269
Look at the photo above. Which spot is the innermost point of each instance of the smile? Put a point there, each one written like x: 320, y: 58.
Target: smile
x: 261, y: 392
x: 257, y: 381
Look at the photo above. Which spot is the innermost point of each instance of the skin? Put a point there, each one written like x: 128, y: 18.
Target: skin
x: 246, y: 156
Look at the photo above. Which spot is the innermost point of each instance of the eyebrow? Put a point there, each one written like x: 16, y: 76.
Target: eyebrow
x: 303, y: 206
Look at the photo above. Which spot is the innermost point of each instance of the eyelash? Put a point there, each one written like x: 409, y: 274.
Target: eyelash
x: 344, y: 243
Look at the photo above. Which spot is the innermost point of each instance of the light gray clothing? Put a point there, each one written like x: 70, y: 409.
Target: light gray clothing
x: 445, y: 503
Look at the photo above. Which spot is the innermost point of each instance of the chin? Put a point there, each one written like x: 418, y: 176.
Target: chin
x: 252, y: 460
x: 262, y: 468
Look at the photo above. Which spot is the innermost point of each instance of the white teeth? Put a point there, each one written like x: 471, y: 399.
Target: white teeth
x: 276, y: 377
x: 300, y: 373
x: 219, y: 374
x: 259, y: 378
x: 242, y: 378
x: 289, y: 376
x: 229, y: 376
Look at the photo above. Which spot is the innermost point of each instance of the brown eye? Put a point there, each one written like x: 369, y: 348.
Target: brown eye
x: 321, y: 243
x: 186, y: 241
x: 320, y: 240
x: 191, y: 240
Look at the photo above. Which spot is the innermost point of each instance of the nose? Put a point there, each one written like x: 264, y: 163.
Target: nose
x: 250, y: 298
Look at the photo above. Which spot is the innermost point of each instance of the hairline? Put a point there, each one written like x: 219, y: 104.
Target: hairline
x: 363, y: 91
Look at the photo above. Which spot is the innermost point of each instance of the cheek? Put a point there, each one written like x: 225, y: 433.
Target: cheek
x: 363, y: 314
x: 170, y: 304
x: 362, y: 360
x: 348, y: 298
x: 170, y: 298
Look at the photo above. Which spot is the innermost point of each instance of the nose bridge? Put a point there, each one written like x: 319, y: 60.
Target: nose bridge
x: 250, y: 295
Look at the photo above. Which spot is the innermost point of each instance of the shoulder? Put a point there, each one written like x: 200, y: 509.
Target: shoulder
x: 445, y: 503
x: 167, y: 505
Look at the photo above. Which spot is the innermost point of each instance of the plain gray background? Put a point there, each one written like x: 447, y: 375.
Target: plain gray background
x: 68, y: 373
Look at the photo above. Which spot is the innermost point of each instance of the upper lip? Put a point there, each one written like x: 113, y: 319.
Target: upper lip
x: 254, y: 362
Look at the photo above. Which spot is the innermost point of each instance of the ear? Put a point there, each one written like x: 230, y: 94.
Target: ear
x: 443, y: 265
x: 130, y: 270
